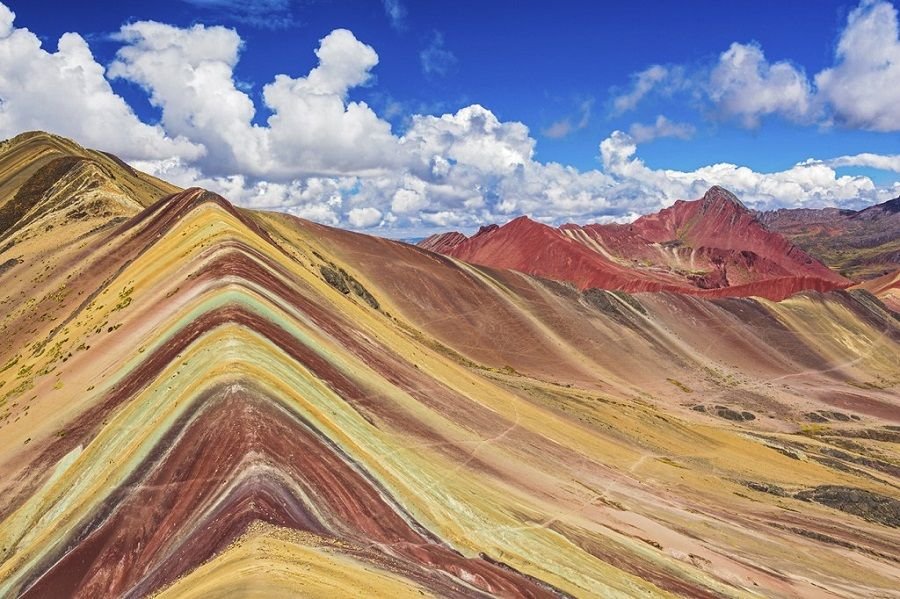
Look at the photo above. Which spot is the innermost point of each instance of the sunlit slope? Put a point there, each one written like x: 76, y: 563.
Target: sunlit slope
x: 48, y: 181
x: 201, y: 401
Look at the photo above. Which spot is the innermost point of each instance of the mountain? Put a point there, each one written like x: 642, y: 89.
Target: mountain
x: 711, y: 247
x: 442, y: 242
x: 886, y: 288
x: 201, y: 400
x: 48, y: 181
x: 862, y: 244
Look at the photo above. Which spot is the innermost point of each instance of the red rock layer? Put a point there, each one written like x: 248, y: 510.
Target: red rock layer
x: 442, y: 242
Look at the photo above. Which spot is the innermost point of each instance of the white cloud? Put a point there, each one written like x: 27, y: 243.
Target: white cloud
x: 406, y: 201
x: 363, y: 218
x: 7, y: 17
x: 811, y: 183
x: 396, y: 14
x: 662, y: 127
x: 436, y: 59
x: 67, y: 92
x: 863, y: 88
x: 746, y: 86
x: 564, y: 127
x: 890, y: 162
x: 189, y: 75
x: 472, y: 137
x: 642, y: 84
x: 313, y: 130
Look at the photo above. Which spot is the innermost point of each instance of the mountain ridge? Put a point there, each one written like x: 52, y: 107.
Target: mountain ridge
x: 861, y: 244
x: 713, y: 246
x: 49, y: 181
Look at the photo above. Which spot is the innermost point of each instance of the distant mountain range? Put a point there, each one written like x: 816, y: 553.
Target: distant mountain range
x: 860, y: 244
x: 711, y: 247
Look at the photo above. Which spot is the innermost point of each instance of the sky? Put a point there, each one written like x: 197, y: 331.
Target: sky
x: 404, y: 118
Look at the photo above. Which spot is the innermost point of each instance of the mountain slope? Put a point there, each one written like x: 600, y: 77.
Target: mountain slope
x: 48, y: 181
x: 886, y: 288
x: 861, y: 244
x: 201, y: 400
x: 711, y: 247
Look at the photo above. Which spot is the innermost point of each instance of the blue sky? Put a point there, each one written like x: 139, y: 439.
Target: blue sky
x: 560, y: 69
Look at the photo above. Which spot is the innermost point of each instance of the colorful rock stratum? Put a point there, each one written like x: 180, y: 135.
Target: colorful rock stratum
x: 202, y: 401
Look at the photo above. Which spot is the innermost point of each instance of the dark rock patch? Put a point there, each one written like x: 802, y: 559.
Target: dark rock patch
x: 610, y: 302
x: 839, y: 416
x: 815, y: 417
x: 876, y: 434
x: 829, y: 415
x: 31, y: 192
x: 859, y: 502
x: 345, y: 283
x: 334, y: 278
x: 734, y: 415
x: 863, y: 461
x: 9, y: 264
x: 765, y: 488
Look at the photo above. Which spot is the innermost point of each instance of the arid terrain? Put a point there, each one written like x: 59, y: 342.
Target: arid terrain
x: 860, y: 244
x: 198, y: 400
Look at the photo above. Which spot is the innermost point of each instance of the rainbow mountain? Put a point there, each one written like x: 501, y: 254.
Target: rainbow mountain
x: 198, y: 400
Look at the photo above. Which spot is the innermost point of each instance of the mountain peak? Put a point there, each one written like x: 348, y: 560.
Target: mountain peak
x: 486, y: 229
x: 719, y: 196
x: 442, y: 242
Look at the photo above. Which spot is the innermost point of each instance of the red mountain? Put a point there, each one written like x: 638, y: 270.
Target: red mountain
x: 442, y: 242
x: 713, y: 246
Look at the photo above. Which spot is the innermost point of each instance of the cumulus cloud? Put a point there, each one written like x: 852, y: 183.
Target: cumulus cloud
x: 7, y: 17
x: 863, y: 88
x: 810, y: 183
x: 472, y: 137
x: 746, y: 86
x: 364, y: 218
x: 66, y: 91
x: 662, y: 127
x: 313, y: 129
x: 890, y: 162
x: 407, y: 201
